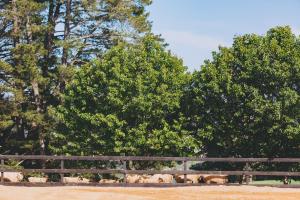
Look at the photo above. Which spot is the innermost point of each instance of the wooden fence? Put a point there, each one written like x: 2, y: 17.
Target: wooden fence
x: 62, y: 170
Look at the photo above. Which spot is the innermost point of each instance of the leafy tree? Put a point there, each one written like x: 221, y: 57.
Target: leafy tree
x: 127, y: 102
x: 245, y: 101
x: 41, y: 42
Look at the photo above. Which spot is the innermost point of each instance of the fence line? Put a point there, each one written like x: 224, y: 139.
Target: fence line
x: 125, y: 171
x: 148, y: 158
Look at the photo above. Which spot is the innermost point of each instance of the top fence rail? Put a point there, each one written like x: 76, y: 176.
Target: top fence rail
x: 147, y: 158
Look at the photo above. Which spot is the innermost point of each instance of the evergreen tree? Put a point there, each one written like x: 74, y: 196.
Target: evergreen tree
x: 41, y: 42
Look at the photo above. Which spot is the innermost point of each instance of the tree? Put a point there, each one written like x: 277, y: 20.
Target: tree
x: 92, y: 26
x: 41, y: 42
x: 127, y: 102
x: 245, y: 101
x: 21, y: 81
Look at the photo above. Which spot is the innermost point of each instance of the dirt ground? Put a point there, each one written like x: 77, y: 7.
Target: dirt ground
x: 134, y: 193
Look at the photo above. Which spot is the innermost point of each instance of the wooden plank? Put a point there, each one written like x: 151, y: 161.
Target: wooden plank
x: 179, y: 172
x: 250, y: 160
x: 158, y: 185
x: 146, y: 158
x: 92, y: 158
x: 64, y: 171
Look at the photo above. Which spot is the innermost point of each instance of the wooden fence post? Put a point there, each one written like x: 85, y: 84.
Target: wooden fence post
x: 185, y: 168
x: 124, y: 168
x: 62, y: 166
x: 247, y: 176
x: 2, y: 173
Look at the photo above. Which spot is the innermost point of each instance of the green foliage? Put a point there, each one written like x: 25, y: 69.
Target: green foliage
x: 246, y: 100
x: 134, y: 97
x: 35, y: 174
x: 42, y: 42
x: 21, y: 81
x: 127, y: 102
x: 12, y: 164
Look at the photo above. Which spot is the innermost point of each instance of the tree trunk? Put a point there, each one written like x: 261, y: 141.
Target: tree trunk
x: 37, y: 96
x: 16, y: 24
x: 37, y: 99
x: 16, y: 41
x: 34, y: 83
x: 36, y: 93
x: 64, y: 59
x: 53, y: 14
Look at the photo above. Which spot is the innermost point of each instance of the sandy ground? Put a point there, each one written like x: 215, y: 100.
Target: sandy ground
x: 133, y: 193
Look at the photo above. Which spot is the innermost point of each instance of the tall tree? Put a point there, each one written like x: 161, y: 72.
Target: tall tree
x: 127, y: 102
x: 21, y: 80
x: 41, y: 42
x: 246, y: 100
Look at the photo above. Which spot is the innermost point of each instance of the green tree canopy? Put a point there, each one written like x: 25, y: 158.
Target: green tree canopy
x: 127, y: 102
x: 245, y: 101
x: 41, y: 42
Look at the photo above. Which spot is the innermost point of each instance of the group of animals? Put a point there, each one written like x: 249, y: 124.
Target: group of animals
x: 167, y: 178
x: 132, y: 178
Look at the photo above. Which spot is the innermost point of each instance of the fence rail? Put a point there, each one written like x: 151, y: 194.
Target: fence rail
x: 125, y: 171
x: 148, y: 158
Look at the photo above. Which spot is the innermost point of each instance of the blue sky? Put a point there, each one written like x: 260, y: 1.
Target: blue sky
x: 195, y: 28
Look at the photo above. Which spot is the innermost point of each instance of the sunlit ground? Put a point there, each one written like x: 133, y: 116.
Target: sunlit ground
x: 133, y: 193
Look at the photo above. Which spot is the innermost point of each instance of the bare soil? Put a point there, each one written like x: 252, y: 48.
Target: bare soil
x: 139, y: 193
